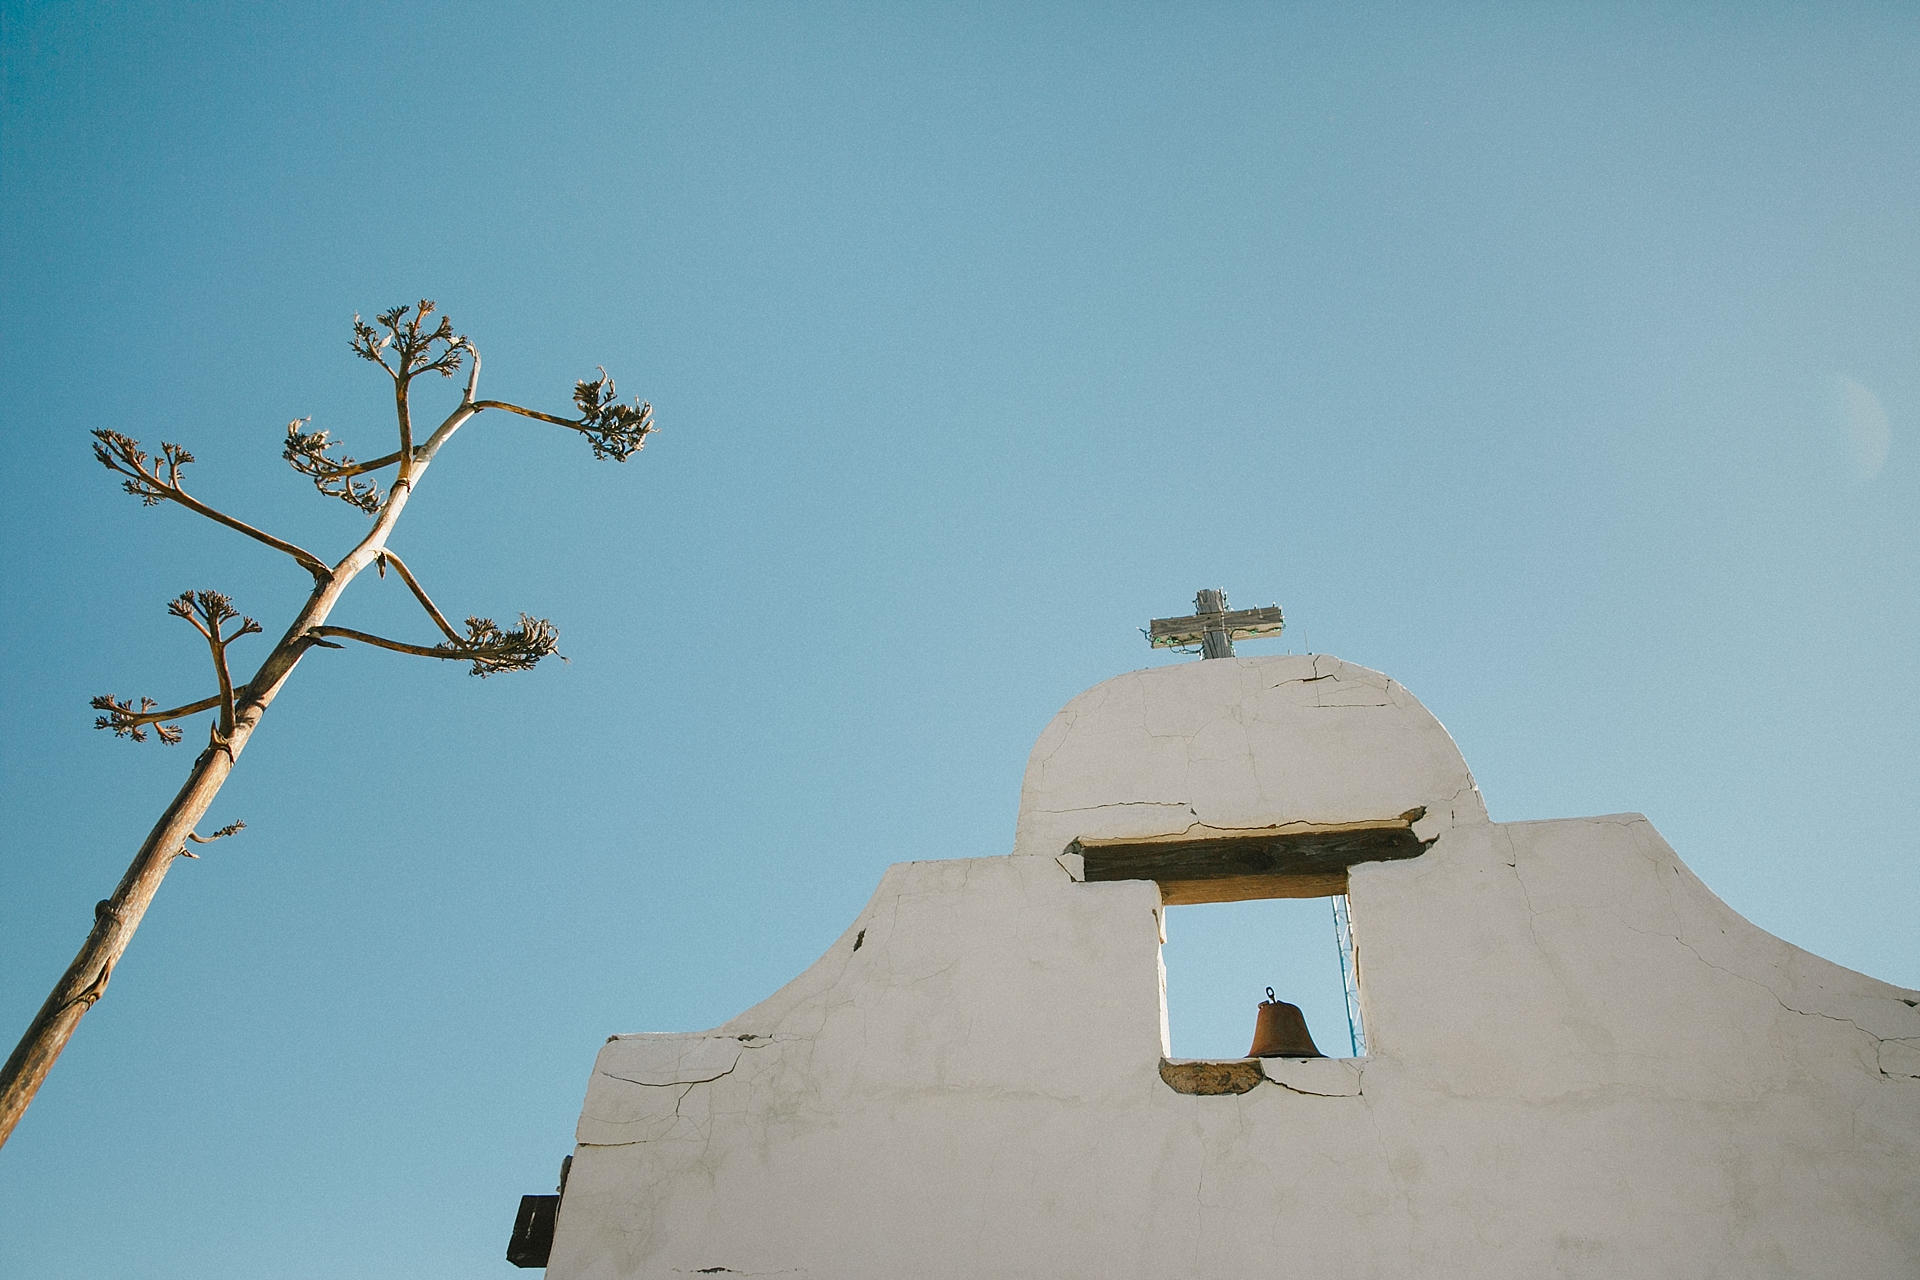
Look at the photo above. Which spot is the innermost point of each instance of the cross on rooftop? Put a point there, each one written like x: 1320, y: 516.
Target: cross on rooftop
x: 1213, y: 628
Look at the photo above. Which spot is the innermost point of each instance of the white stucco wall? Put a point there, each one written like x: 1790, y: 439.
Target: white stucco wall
x: 1583, y: 1063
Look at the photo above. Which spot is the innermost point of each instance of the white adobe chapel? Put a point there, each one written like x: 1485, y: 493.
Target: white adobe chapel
x: 1579, y: 1061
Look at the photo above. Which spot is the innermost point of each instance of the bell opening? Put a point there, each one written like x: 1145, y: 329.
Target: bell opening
x: 1220, y: 958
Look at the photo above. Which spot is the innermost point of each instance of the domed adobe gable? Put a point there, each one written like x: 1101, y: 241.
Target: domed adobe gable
x: 1241, y: 745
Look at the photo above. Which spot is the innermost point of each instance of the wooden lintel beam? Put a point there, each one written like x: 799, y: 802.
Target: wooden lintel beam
x: 1300, y: 864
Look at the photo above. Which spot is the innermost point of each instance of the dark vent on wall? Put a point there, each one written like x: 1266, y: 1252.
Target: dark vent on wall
x: 532, y: 1241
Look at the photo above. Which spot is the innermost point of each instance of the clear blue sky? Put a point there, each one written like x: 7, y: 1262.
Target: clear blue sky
x: 1563, y: 365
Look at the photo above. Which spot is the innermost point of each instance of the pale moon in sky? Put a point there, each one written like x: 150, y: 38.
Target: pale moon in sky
x: 1862, y: 420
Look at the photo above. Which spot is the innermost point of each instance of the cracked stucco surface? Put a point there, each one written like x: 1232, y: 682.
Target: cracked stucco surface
x: 1583, y: 1063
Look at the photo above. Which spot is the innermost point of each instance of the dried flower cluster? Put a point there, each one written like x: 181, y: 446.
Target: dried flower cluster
x: 128, y: 722
x: 493, y: 649
x: 416, y: 350
x: 122, y: 454
x: 308, y: 452
x: 615, y: 430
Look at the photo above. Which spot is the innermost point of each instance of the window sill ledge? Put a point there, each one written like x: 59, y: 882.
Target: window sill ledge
x: 1317, y: 1077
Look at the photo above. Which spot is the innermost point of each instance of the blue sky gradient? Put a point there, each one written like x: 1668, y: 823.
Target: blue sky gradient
x: 1564, y: 365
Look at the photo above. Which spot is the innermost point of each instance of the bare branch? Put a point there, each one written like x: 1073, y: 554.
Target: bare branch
x: 489, y: 647
x: 439, y: 620
x: 526, y: 413
x: 398, y: 646
x: 122, y: 455
x: 473, y: 374
x: 361, y: 468
x: 615, y: 430
x: 221, y: 834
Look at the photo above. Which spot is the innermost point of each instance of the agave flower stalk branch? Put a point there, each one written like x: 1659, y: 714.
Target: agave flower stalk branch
x: 361, y: 468
x: 122, y: 454
x: 488, y: 646
x: 615, y: 431
x: 419, y: 593
x: 127, y: 721
x: 209, y: 612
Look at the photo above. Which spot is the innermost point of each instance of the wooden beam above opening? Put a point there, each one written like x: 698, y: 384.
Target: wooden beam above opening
x: 1300, y: 864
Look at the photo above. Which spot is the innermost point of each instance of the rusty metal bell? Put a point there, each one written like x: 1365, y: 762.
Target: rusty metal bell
x: 1281, y: 1032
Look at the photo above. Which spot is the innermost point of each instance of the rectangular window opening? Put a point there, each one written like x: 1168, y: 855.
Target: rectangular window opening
x: 1244, y: 912
x: 1220, y: 958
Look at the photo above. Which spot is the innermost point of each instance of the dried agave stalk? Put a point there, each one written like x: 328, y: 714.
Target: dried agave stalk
x: 407, y: 345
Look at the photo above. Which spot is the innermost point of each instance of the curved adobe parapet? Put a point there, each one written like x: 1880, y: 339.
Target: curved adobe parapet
x: 1580, y: 1061
x: 1240, y: 745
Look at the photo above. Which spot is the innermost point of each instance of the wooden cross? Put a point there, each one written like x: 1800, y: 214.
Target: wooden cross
x: 1213, y: 628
